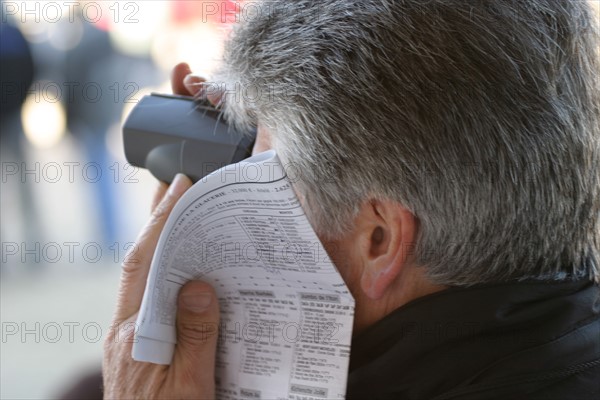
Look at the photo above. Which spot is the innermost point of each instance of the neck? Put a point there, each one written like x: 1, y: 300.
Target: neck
x: 410, y: 285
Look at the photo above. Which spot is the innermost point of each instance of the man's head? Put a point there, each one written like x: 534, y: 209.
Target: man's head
x: 476, y: 125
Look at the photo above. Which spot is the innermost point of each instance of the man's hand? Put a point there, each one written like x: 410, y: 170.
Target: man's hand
x: 191, y: 374
x: 185, y: 83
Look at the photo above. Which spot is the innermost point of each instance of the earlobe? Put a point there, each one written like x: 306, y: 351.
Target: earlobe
x: 375, y: 283
x: 394, y: 229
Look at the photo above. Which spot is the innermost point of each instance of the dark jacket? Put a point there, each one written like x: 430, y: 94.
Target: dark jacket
x: 510, y: 341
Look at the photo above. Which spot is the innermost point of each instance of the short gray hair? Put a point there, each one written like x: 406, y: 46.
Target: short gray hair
x: 481, y: 117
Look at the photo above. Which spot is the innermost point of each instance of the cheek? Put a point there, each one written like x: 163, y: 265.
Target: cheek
x: 341, y: 253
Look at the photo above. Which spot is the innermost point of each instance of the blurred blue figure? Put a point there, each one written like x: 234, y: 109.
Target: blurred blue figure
x: 16, y: 73
x: 103, y: 80
x: 16, y: 76
x: 90, y: 113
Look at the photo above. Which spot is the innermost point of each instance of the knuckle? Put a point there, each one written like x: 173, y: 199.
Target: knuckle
x: 131, y: 255
x: 108, y: 344
x: 158, y: 213
x: 161, y: 211
x: 130, y: 265
x: 199, y: 332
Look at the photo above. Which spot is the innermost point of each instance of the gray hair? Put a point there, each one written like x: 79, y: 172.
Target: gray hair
x: 481, y: 117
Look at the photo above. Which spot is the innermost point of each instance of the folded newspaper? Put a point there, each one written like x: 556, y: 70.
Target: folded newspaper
x: 286, y: 313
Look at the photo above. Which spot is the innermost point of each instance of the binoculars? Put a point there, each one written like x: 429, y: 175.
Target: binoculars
x: 170, y: 134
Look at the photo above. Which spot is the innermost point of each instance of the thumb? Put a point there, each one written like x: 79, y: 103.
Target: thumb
x: 197, y: 332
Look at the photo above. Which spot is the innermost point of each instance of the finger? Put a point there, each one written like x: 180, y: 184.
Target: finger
x: 193, y: 83
x: 197, y: 332
x: 137, y: 262
x: 159, y: 194
x: 200, y: 88
x: 177, y: 75
x: 216, y: 98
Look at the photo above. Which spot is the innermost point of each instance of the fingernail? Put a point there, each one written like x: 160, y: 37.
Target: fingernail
x: 197, y: 302
x: 179, y: 185
x: 192, y: 83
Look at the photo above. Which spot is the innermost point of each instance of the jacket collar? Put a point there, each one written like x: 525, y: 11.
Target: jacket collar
x: 434, y: 343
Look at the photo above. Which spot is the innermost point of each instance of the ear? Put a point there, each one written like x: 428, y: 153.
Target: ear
x: 387, y: 235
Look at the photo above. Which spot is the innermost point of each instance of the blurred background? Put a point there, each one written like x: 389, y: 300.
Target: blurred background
x: 70, y: 204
